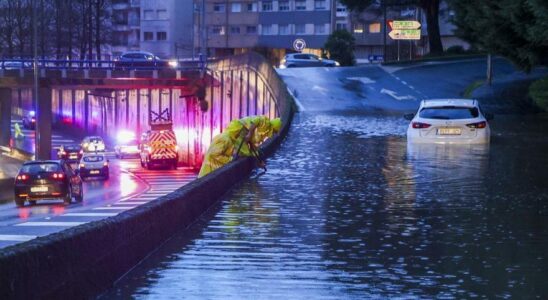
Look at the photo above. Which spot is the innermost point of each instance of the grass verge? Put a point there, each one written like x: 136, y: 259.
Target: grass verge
x: 538, y: 91
x: 467, y: 93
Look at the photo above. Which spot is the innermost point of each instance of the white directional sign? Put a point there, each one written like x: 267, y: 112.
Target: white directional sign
x: 405, y: 24
x: 405, y: 34
x: 299, y: 45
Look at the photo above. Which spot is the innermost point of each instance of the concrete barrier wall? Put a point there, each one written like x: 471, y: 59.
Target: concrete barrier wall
x: 85, y: 260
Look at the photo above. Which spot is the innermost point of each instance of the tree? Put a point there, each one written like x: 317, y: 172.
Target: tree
x: 516, y: 29
x: 340, y: 45
x: 431, y: 9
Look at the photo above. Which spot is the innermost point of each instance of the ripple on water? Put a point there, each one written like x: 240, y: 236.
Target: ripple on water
x: 347, y: 210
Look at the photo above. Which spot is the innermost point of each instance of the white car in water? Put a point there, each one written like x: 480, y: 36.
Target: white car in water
x: 449, y: 121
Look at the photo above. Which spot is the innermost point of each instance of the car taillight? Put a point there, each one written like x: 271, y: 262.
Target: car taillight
x: 105, y: 164
x: 419, y: 125
x: 82, y: 151
x: 22, y: 177
x: 58, y: 175
x: 33, y: 120
x: 481, y: 124
x: 82, y: 165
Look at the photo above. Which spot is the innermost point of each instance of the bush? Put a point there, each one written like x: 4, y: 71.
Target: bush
x: 457, y: 49
x: 340, y: 45
x: 538, y: 91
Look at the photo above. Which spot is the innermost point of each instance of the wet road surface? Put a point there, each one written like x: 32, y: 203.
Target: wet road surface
x: 348, y: 210
x: 128, y: 186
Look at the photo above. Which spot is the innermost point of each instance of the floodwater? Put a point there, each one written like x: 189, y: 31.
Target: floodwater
x: 347, y: 210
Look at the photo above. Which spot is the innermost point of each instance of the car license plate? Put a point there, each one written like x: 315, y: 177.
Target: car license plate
x: 449, y: 131
x: 39, y: 189
x: 94, y: 172
x: 73, y: 156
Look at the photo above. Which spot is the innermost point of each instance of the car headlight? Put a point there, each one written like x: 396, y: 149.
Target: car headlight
x: 337, y: 64
x: 173, y: 63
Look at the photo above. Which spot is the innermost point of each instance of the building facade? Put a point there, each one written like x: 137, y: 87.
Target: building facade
x: 126, y: 25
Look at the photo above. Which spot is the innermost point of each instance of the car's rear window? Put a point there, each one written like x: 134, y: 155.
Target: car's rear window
x: 40, y: 167
x: 95, y: 140
x: 93, y: 158
x: 449, y: 113
x: 72, y: 148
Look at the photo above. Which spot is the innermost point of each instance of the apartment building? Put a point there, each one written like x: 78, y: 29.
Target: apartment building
x: 125, y: 25
x: 167, y: 27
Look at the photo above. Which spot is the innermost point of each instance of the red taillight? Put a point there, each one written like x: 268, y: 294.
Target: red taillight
x: 33, y: 120
x: 419, y: 125
x: 105, y: 164
x: 481, y: 124
x: 22, y: 177
x: 58, y: 175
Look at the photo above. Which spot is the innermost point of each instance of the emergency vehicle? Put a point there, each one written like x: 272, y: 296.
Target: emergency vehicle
x: 158, y: 146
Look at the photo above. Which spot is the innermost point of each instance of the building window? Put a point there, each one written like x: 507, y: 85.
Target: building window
x: 235, y: 29
x: 148, y: 36
x: 267, y: 29
x: 251, y: 29
x: 162, y: 14
x: 319, y: 4
x: 300, y: 28
x: 341, y: 25
x: 236, y: 7
x: 148, y: 14
x: 252, y: 7
x: 219, y: 7
x: 358, y: 28
x: 218, y: 30
x: 161, y: 35
x: 284, y: 29
x: 267, y: 5
x: 374, y: 27
x: 283, y: 5
x: 319, y: 28
x: 300, y: 4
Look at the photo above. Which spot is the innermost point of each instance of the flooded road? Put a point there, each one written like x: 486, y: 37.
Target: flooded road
x: 347, y: 210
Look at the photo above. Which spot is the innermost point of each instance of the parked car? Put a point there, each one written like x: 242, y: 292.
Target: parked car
x: 70, y: 153
x: 93, y: 144
x: 94, y: 165
x: 294, y: 60
x: 29, y: 120
x: 139, y: 59
x: 456, y: 121
x: 46, y: 180
x: 15, y: 65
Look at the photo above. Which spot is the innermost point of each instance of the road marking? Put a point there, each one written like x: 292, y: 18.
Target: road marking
x: 55, y: 224
x: 125, y: 202
x: 364, y: 80
x: 299, y: 104
x: 395, y: 96
x: 89, y: 215
x: 114, y: 207
x: 404, y: 82
x: 16, y: 238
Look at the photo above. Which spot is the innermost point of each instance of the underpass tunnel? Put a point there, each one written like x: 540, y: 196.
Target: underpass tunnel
x: 200, y: 108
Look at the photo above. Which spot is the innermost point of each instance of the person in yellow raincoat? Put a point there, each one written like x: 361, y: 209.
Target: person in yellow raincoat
x: 234, y: 141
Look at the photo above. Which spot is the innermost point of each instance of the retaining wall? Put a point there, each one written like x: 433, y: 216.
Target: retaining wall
x: 83, y: 261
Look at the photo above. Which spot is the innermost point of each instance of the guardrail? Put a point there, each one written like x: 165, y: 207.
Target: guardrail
x: 55, y: 64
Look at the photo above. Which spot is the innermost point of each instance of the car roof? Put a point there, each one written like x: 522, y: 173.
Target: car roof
x: 449, y: 102
x: 137, y: 52
x: 93, y: 154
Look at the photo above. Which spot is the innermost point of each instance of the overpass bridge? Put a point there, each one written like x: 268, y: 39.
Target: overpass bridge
x: 98, y: 98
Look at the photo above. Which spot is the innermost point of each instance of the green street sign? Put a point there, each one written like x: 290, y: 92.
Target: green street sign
x: 402, y: 25
x: 405, y: 34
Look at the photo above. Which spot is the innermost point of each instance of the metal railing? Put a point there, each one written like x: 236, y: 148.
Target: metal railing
x: 56, y: 64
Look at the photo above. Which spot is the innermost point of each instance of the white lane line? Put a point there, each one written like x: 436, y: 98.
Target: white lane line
x: 411, y: 87
x: 89, y: 215
x: 53, y: 224
x: 114, y: 207
x: 404, y: 82
x: 364, y: 80
x: 16, y: 238
x: 299, y: 104
x: 126, y: 202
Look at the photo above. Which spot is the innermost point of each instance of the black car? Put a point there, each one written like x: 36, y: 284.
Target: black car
x: 139, y: 59
x: 29, y: 121
x: 70, y: 153
x: 46, y: 180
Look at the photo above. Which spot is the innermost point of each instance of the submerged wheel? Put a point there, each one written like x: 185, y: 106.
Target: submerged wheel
x: 68, y: 197
x: 19, y: 202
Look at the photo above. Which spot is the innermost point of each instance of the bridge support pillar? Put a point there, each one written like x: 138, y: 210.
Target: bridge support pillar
x: 5, y: 116
x: 43, y: 124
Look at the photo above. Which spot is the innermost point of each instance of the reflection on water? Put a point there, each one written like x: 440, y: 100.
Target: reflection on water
x: 343, y: 214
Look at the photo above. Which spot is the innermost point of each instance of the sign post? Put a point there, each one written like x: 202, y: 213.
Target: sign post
x: 299, y: 45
